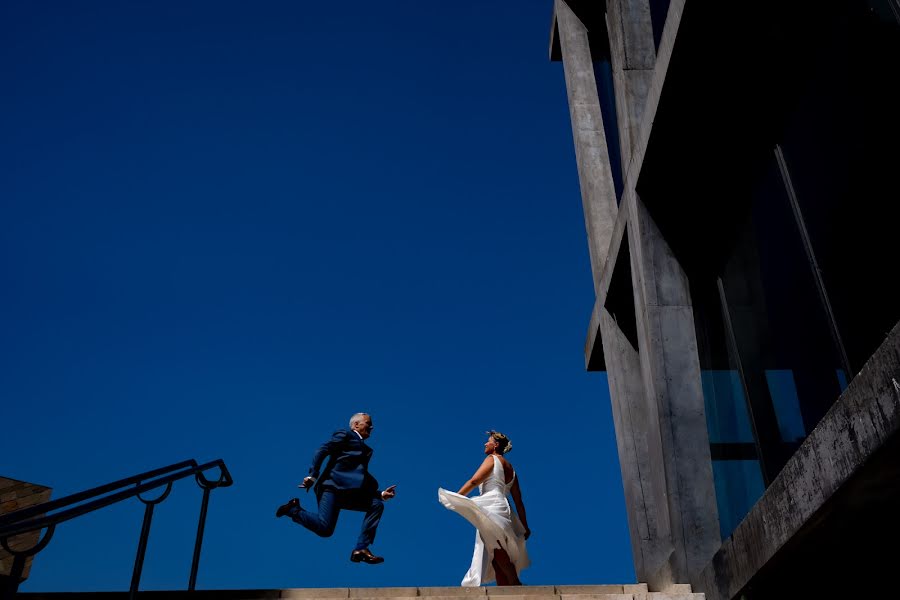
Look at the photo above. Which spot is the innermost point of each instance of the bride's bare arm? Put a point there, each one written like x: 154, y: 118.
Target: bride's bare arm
x: 520, y: 506
x: 483, y: 472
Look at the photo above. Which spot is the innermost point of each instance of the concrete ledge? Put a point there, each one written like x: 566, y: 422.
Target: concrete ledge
x: 637, y: 591
x: 311, y: 594
x: 525, y: 590
x: 161, y: 595
x: 453, y: 591
x: 677, y: 588
x: 451, y: 597
x: 385, y: 592
x: 454, y: 596
x: 610, y: 596
x: 590, y: 589
x: 862, y: 421
x: 635, y: 596
x: 527, y: 596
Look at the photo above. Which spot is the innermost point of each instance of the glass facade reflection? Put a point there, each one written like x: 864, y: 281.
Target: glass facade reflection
x: 737, y: 472
x: 736, y: 469
x: 781, y: 330
x: 796, y: 301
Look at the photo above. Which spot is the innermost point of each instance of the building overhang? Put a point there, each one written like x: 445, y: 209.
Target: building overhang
x: 720, y: 110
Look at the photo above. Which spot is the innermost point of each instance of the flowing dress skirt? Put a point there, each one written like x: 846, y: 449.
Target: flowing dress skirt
x: 496, y: 525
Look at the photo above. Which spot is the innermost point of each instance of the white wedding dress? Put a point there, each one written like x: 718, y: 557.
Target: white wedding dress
x: 496, y: 525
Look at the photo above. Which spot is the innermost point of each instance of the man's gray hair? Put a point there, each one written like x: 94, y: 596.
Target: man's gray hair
x: 357, y: 417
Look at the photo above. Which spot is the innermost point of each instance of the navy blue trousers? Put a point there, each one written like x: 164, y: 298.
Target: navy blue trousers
x: 331, y: 503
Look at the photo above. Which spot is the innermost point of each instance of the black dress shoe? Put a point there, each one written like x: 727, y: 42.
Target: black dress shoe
x: 286, y: 508
x: 365, y: 556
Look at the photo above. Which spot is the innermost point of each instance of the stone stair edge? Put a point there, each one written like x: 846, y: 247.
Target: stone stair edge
x: 308, y: 594
x: 556, y: 592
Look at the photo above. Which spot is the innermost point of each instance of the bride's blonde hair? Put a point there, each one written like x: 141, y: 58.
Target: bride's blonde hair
x: 503, y: 443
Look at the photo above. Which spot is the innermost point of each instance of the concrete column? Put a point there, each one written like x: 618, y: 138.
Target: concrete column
x: 633, y: 58
x: 671, y: 377
x: 640, y: 452
x: 598, y: 196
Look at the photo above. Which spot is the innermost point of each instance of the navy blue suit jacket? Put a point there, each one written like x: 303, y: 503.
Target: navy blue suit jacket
x: 348, y: 464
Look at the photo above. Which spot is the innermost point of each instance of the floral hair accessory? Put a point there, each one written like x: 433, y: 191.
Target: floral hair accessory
x: 503, y: 443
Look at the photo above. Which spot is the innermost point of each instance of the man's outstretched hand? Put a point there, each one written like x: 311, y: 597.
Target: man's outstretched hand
x: 389, y: 492
x: 307, y: 483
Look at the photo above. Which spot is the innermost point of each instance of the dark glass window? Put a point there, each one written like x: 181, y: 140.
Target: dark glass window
x: 739, y: 484
x: 791, y: 246
x: 885, y: 10
x: 788, y: 357
x: 607, y: 94
x: 840, y: 148
x: 736, y: 467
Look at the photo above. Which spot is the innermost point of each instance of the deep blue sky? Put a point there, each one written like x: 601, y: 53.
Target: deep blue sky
x: 227, y: 226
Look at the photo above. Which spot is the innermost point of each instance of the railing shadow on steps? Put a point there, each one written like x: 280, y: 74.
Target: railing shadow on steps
x: 50, y: 514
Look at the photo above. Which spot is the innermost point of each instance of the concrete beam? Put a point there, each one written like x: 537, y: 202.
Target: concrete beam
x: 640, y: 451
x: 592, y: 156
x: 634, y: 123
x: 651, y: 102
x: 671, y: 376
x: 593, y: 352
x: 671, y: 484
x: 594, y: 358
x: 633, y: 58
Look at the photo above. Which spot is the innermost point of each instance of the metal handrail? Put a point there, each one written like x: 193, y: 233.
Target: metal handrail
x: 20, y: 527
x: 97, y: 491
x: 34, y: 518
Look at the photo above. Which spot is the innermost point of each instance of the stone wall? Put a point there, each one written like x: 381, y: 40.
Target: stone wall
x: 15, y: 495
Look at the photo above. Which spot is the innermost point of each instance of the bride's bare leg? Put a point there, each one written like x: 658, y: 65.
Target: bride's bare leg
x: 499, y: 574
x: 502, y: 564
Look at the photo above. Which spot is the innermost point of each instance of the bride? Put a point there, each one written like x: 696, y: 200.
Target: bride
x: 500, y: 533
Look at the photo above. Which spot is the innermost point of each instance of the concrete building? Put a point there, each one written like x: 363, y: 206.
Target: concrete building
x: 738, y: 166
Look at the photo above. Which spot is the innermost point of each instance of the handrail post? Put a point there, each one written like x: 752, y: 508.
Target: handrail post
x: 15, y: 576
x: 48, y: 515
x: 201, y: 525
x: 142, y: 549
x: 10, y: 587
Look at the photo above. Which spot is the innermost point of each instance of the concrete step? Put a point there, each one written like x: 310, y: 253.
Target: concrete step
x: 537, y: 592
